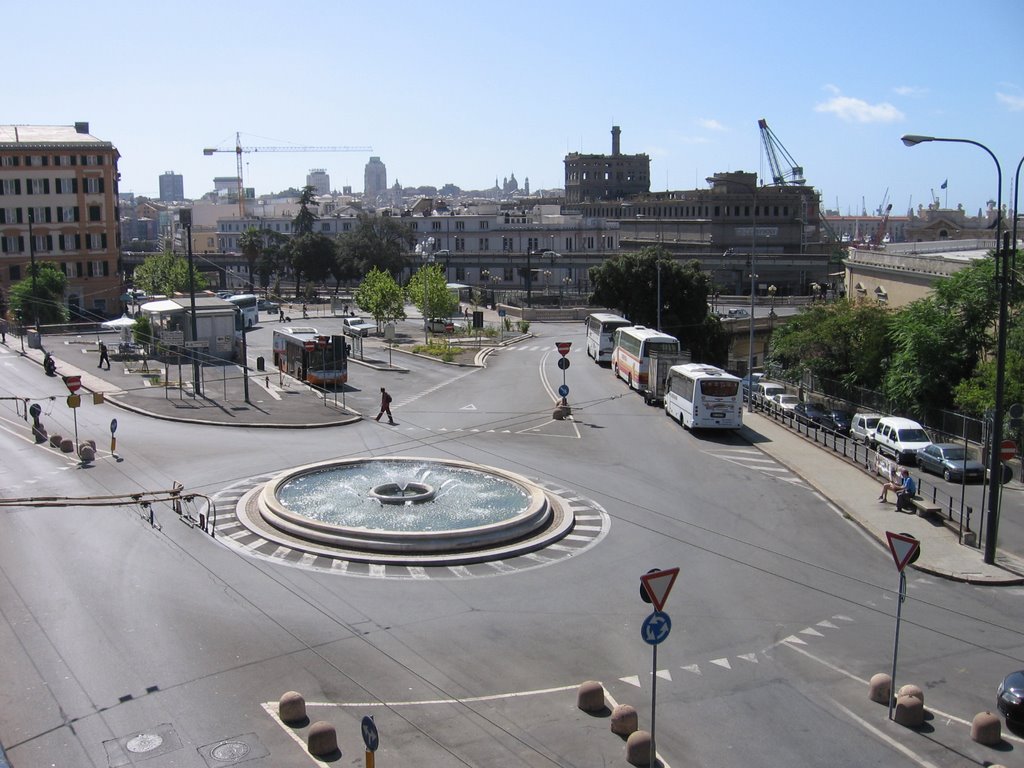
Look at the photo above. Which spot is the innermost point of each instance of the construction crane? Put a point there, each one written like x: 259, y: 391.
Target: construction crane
x: 876, y: 239
x: 239, y: 149
x: 773, y: 148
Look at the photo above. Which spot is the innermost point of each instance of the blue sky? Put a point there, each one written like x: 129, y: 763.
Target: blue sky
x: 468, y: 92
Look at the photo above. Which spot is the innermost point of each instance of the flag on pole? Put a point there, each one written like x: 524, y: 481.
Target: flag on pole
x: 944, y: 184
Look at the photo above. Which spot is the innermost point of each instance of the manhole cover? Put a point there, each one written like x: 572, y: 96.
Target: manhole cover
x: 230, y: 750
x: 144, y: 742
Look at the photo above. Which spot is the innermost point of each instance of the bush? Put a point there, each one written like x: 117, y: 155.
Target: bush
x: 523, y: 326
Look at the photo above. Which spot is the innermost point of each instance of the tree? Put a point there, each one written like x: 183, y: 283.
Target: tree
x: 40, y: 301
x: 313, y: 256
x: 167, y: 273
x: 428, y: 292
x: 380, y: 296
x: 305, y: 219
x: 251, y: 243
x: 380, y: 242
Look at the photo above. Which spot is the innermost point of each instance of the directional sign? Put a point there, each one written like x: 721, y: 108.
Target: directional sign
x: 658, y: 584
x: 1007, y: 450
x: 370, y: 736
x: 113, y: 426
x: 563, y: 391
x: 656, y: 628
x: 563, y: 363
x: 903, y: 548
x: 73, y: 383
x: 563, y: 347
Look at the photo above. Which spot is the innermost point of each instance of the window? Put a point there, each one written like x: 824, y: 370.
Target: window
x: 42, y: 242
x: 67, y: 213
x: 38, y: 186
x: 98, y: 268
x: 93, y: 185
x: 69, y: 242
x: 10, y: 216
x: 96, y: 242
x: 509, y: 275
x: 485, y: 224
x: 65, y: 160
x: 346, y: 227
x: 12, y: 244
x: 10, y: 187
x: 506, y: 244
x: 460, y: 274
x: 37, y: 160
x: 485, y: 244
x: 459, y: 226
x: 95, y: 213
x: 10, y: 161
x: 66, y: 186
x: 435, y: 225
x: 325, y: 226
x: 40, y: 215
x: 460, y: 245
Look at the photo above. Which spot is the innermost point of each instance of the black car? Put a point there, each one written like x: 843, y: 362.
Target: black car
x: 842, y: 419
x: 809, y: 414
x: 1010, y: 697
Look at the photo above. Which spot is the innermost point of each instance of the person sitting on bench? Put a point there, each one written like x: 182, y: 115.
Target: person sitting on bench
x: 907, y: 491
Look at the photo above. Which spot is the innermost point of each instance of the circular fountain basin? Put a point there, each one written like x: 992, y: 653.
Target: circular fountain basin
x: 404, y: 505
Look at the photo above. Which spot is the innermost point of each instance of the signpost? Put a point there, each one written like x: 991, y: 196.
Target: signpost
x: 371, y: 738
x: 563, y: 364
x: 905, y: 549
x: 113, y: 440
x: 74, y: 383
x: 654, y: 588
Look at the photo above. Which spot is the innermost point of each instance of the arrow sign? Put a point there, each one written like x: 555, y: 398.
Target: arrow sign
x: 658, y: 584
x: 370, y: 736
x: 563, y: 347
x: 903, y: 548
x: 656, y: 628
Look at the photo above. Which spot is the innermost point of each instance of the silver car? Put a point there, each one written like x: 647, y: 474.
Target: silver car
x: 951, y: 461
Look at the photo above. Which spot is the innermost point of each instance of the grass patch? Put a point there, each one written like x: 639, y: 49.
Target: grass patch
x: 439, y: 349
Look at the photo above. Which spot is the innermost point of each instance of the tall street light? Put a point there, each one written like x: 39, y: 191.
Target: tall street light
x: 995, y: 464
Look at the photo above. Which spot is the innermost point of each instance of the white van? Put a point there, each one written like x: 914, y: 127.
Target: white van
x: 900, y: 438
x: 862, y: 427
x: 764, y: 390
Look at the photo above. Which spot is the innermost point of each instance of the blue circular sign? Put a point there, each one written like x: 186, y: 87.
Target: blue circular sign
x: 656, y: 628
x: 370, y: 736
x: 563, y: 390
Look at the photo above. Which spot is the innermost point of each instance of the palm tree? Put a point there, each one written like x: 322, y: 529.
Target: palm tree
x: 251, y: 243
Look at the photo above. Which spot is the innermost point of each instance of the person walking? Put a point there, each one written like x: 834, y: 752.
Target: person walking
x: 104, y: 356
x: 385, y: 406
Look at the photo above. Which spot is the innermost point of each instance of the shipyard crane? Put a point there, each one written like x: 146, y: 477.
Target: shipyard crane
x: 774, y: 149
x: 239, y: 149
x: 876, y: 239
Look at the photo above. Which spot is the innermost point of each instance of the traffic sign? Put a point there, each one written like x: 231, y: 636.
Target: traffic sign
x: 903, y: 547
x: 1007, y: 450
x: 658, y: 584
x: 563, y: 363
x: 113, y: 426
x: 563, y: 391
x: 371, y: 738
x: 73, y: 383
x: 563, y: 347
x: 74, y: 401
x: 322, y: 341
x: 656, y: 628
x: 309, y: 345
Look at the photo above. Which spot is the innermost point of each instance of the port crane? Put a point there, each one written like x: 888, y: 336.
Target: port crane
x: 773, y: 149
x: 239, y: 149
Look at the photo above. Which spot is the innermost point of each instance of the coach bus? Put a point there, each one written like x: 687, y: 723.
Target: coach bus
x: 704, y: 397
x: 311, y: 356
x: 247, y: 304
x: 600, y: 334
x: 631, y: 353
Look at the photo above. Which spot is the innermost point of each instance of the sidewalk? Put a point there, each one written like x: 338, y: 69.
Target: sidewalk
x: 855, y: 492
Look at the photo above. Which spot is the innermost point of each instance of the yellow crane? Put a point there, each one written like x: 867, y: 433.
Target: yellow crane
x: 239, y: 149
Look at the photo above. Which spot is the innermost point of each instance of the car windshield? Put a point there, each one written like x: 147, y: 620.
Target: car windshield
x: 913, y: 436
x: 955, y: 454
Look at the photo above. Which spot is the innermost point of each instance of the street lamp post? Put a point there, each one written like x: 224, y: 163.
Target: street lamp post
x: 1002, y: 270
x: 771, y: 317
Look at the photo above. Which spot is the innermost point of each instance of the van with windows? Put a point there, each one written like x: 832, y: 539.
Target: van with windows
x: 765, y: 390
x: 900, y: 438
x: 862, y: 427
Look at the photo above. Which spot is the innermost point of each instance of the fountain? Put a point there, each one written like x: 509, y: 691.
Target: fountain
x: 410, y: 510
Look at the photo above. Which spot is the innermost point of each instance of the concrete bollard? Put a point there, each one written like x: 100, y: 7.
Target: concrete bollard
x: 56, y: 440
x: 590, y: 696
x: 67, y: 445
x: 909, y: 711
x: 880, y: 688
x: 322, y: 740
x: 987, y: 729
x: 624, y: 720
x: 292, y: 707
x: 911, y: 690
x: 86, y: 452
x: 638, y: 748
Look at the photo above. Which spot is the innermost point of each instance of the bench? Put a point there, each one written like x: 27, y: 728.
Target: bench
x: 925, y: 508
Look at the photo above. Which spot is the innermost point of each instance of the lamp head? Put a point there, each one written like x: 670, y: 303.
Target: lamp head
x: 912, y: 139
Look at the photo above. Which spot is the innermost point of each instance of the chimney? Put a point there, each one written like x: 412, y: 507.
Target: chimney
x: 81, y: 127
x: 616, y: 132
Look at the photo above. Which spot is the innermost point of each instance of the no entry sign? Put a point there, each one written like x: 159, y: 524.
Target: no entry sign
x: 563, y: 347
x: 73, y: 383
x: 1007, y: 450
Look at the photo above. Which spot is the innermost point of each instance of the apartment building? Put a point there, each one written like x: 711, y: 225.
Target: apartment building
x: 58, y: 203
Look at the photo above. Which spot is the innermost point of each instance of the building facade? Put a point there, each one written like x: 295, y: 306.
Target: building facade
x: 375, y: 179
x: 606, y: 177
x: 59, y: 203
x: 172, y: 187
x: 319, y: 180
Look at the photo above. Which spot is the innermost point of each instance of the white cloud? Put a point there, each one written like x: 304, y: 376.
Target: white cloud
x: 854, y: 110
x: 909, y: 90
x: 711, y: 124
x: 1013, y: 103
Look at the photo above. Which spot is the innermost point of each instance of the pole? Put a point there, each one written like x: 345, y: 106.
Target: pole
x: 753, y: 290
x: 654, y: 702
x: 32, y: 262
x: 658, y: 265
x: 995, y: 462
x: 896, y: 642
x: 186, y: 219
x: 245, y: 363
x: 529, y: 278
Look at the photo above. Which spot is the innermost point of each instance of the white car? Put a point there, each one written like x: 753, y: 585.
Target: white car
x: 784, y: 403
x: 358, y: 326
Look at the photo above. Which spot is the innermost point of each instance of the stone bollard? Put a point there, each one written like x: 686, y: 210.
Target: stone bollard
x: 67, y: 445
x: 911, y: 690
x: 638, y: 748
x: 292, y: 708
x: 987, y: 729
x: 322, y: 740
x: 590, y: 696
x: 624, y: 720
x: 909, y: 711
x: 880, y: 688
x: 56, y: 440
x: 561, y: 412
x: 86, y: 452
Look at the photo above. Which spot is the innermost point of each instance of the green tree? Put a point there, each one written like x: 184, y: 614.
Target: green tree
x: 380, y: 242
x: 251, y: 244
x: 381, y: 297
x: 167, y: 273
x: 305, y: 219
x: 428, y: 292
x: 313, y: 256
x: 40, y: 301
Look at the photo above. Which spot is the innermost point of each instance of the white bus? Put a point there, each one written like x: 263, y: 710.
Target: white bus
x: 704, y: 397
x: 600, y: 334
x: 247, y: 304
x: 631, y: 353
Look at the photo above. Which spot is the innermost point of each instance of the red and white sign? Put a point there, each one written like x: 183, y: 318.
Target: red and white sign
x: 1007, y: 450
x: 309, y: 345
x: 903, y: 548
x: 563, y: 347
x: 658, y: 584
x: 322, y: 341
x: 73, y: 383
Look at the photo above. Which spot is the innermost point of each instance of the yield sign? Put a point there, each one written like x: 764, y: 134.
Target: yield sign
x: 903, y: 548
x: 563, y: 347
x: 658, y: 584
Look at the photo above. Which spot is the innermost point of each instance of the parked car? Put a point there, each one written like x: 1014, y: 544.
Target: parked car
x: 784, y: 403
x: 900, y: 438
x: 862, y: 428
x: 765, y: 390
x: 1010, y: 697
x: 441, y: 326
x: 748, y: 381
x: 810, y: 414
x: 358, y: 326
x: 841, y: 419
x: 951, y: 461
x: 266, y: 305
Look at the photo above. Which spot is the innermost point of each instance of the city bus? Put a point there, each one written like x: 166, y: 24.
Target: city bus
x: 247, y: 305
x: 631, y: 353
x: 600, y: 334
x: 704, y: 397
x: 311, y: 356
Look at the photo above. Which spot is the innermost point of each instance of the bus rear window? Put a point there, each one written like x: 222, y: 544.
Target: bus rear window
x: 713, y: 388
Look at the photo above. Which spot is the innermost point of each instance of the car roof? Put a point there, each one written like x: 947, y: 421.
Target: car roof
x: 947, y: 446
x: 901, y: 423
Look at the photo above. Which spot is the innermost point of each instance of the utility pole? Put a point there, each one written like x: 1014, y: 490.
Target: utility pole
x: 185, y: 217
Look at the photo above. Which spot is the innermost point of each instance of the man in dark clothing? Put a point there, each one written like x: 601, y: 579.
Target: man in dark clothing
x: 907, y: 491
x: 385, y: 406
x: 104, y: 357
